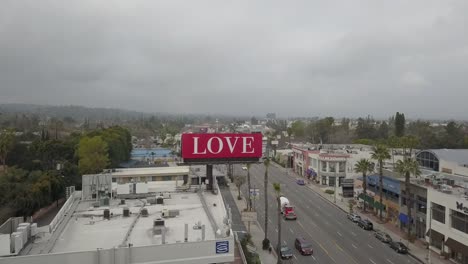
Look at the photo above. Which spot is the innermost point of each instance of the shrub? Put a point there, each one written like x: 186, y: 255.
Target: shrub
x: 329, y: 191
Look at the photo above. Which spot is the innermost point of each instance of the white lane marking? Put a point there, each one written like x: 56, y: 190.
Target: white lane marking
x: 269, y: 220
x: 285, y: 242
x: 353, y: 246
x: 290, y: 230
x: 295, y: 257
x: 352, y: 233
x: 390, y: 261
x: 339, y: 233
x: 372, y: 261
x: 314, y: 258
x: 370, y: 246
x: 276, y: 230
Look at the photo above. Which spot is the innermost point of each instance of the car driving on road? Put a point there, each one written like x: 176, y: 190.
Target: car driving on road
x: 286, y: 252
x: 300, y: 181
x: 303, y: 246
x: 354, y: 217
x: 399, y: 247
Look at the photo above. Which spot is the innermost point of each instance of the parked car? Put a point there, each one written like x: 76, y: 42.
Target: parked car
x: 303, y: 246
x: 354, y: 217
x: 365, y: 224
x: 286, y: 252
x: 399, y: 247
x: 300, y: 181
x: 382, y: 236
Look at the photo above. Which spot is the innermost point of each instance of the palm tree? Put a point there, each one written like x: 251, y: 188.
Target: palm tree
x: 249, y: 207
x: 277, y: 188
x: 266, y: 242
x: 364, y: 166
x: 406, y: 167
x: 380, y: 153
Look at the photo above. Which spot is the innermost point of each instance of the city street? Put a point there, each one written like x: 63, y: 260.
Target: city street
x: 334, y: 238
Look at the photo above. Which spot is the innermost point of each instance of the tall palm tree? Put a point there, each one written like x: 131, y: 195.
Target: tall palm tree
x: 266, y: 163
x: 407, y: 167
x: 380, y: 153
x: 364, y: 166
x: 249, y: 207
x: 277, y: 188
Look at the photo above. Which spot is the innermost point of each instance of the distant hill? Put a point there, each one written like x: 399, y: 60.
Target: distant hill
x: 73, y: 111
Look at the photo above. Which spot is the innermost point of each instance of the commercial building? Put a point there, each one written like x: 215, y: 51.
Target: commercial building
x: 450, y: 161
x: 448, y: 229
x: 172, y: 226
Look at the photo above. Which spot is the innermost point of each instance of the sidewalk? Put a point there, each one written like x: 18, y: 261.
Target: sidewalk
x: 417, y: 249
x: 255, y: 230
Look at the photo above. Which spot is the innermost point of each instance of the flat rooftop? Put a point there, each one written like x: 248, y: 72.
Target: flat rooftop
x: 88, y: 230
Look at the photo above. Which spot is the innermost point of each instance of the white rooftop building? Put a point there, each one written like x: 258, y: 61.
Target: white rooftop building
x: 173, y: 226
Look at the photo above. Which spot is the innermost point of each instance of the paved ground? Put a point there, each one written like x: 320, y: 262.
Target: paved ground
x: 334, y: 238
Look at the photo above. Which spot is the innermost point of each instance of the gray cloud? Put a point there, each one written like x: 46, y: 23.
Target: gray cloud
x: 296, y: 58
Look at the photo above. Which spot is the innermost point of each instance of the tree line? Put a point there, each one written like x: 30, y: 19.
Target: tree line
x: 34, y: 174
x: 367, y: 130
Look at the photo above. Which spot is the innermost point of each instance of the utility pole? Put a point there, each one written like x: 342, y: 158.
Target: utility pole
x: 334, y: 191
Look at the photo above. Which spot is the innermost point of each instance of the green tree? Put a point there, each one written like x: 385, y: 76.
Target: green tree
x: 453, y: 135
x: 400, y: 124
x: 277, y: 188
x: 93, y: 155
x: 266, y: 241
x: 383, y: 130
x: 365, y: 128
x: 298, y: 128
x: 405, y: 168
x: 7, y: 143
x: 364, y: 166
x: 408, y: 143
x: 380, y: 153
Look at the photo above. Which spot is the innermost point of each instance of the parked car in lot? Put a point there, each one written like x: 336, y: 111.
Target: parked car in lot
x: 382, y: 236
x: 365, y: 224
x: 300, y: 181
x: 303, y: 246
x: 399, y: 247
x: 354, y: 217
x: 286, y: 252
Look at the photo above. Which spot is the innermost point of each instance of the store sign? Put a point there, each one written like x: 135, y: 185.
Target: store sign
x: 462, y: 208
x: 212, y: 146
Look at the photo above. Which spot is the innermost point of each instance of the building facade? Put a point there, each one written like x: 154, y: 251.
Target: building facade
x: 447, y: 232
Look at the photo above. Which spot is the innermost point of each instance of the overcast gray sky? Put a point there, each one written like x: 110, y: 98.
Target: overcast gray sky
x: 306, y: 58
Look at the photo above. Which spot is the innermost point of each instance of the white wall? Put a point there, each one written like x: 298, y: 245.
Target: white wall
x: 4, y: 244
x: 181, y: 253
x: 456, y: 169
x: 449, y: 201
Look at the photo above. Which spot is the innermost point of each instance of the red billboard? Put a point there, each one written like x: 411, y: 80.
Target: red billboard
x: 221, y: 146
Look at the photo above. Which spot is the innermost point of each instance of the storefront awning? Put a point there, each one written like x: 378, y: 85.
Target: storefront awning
x: 403, y: 218
x: 435, y: 235
x: 456, y: 246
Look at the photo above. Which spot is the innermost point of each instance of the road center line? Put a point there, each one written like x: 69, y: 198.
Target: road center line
x: 339, y: 233
x: 370, y: 246
x: 390, y: 261
x: 295, y: 257
x: 372, y: 261
x: 291, y: 231
x: 314, y: 258
x: 353, y: 246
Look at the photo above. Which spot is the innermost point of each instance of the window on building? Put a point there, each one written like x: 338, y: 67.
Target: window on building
x: 428, y: 160
x: 438, y: 212
x: 114, y: 179
x: 331, y: 181
x: 332, y: 166
x: 459, y: 221
x: 314, y: 163
x: 342, y: 166
x: 167, y: 178
x: 323, y: 165
x: 154, y: 178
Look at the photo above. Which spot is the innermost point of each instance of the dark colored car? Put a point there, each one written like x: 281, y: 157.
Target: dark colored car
x: 286, y: 252
x: 399, y: 247
x: 303, y: 246
x: 300, y: 181
x: 382, y: 236
x: 365, y: 224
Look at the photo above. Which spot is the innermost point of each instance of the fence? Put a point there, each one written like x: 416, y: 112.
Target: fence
x: 65, y: 208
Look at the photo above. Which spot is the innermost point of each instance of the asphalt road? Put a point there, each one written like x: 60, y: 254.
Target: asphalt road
x: 334, y: 238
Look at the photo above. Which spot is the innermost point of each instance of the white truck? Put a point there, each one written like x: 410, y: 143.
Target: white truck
x: 286, y: 209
